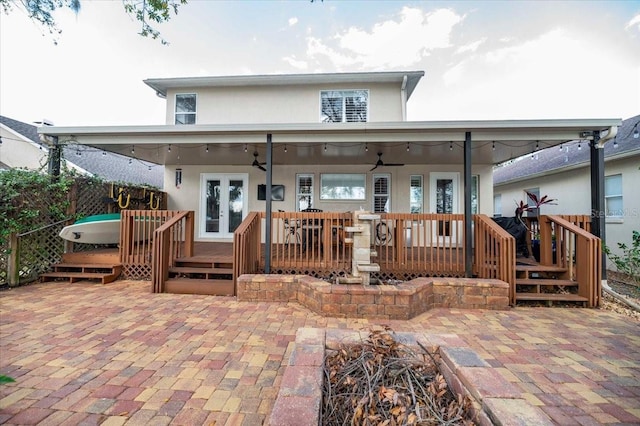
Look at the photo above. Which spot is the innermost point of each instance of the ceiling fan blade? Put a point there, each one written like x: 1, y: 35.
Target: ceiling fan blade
x: 393, y: 164
x: 374, y: 167
x: 262, y: 168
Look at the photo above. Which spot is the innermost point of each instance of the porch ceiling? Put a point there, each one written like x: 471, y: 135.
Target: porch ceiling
x: 493, y: 142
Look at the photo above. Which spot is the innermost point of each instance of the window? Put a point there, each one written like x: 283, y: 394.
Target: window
x: 344, y: 106
x: 381, y: 193
x: 416, y: 192
x: 186, y: 109
x: 342, y: 186
x: 475, y: 183
x: 613, y: 196
x: 534, y: 211
x: 304, y: 191
x: 497, y: 205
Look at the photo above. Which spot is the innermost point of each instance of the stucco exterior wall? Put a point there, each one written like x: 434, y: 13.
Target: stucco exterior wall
x: 18, y: 152
x: 187, y: 196
x: 572, y: 189
x: 281, y: 104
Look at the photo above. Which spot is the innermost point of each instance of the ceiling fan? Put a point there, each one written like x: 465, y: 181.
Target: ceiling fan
x: 381, y: 163
x: 256, y: 163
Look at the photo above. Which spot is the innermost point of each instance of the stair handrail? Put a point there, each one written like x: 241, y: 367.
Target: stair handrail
x: 494, y: 253
x: 166, y: 247
x: 575, y: 245
x: 247, y: 247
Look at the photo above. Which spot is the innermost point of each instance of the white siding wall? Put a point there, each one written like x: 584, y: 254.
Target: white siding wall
x: 281, y: 104
x: 187, y: 197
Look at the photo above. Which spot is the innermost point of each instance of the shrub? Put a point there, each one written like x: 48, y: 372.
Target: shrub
x: 629, y: 262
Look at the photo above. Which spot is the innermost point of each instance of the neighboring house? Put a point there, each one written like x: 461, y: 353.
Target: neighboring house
x: 563, y: 173
x: 322, y: 134
x: 21, y: 147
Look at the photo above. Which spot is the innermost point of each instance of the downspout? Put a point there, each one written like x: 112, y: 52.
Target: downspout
x: 611, y: 133
x: 403, y: 98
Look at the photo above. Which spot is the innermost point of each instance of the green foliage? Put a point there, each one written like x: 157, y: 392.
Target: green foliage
x: 6, y: 379
x: 29, y: 198
x: 629, y: 262
x: 146, y: 12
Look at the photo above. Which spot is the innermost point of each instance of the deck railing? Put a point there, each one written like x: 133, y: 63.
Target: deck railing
x: 136, y: 238
x: 567, y: 244
x: 247, y: 247
x: 406, y: 245
x: 495, y: 253
x: 171, y: 240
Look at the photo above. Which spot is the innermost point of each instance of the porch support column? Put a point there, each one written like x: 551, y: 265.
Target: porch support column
x: 55, y: 156
x: 598, y: 213
x: 468, y: 249
x: 267, y: 229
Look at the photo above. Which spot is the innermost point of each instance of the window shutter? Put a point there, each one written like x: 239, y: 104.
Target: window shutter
x: 381, y: 194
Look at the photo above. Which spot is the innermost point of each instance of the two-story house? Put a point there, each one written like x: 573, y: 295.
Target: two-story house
x: 337, y: 142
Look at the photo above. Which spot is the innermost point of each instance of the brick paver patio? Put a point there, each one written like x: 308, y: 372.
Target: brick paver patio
x: 116, y: 354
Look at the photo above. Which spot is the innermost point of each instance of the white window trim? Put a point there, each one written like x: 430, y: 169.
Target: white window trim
x: 175, y: 107
x: 364, y: 191
x: 614, y: 218
x: 344, y: 113
x: 373, y: 191
x: 298, y: 193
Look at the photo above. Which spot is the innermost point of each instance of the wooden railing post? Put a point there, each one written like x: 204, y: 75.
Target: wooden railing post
x: 13, y: 262
x: 546, y: 251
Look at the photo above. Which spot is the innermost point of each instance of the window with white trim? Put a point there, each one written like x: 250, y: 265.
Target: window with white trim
x: 304, y: 191
x: 344, y: 106
x: 497, y: 205
x: 186, y: 108
x: 381, y: 193
x: 613, y: 196
x: 534, y: 211
x: 342, y: 186
x: 416, y: 194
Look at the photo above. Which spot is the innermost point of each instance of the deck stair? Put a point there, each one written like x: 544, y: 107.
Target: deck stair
x: 102, y: 265
x: 540, y: 283
x: 201, y: 275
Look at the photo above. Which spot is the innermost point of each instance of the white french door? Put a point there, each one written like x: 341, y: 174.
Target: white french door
x: 444, y: 196
x: 223, y: 203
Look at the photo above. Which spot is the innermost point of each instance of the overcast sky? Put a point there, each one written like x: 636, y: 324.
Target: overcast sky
x: 483, y: 60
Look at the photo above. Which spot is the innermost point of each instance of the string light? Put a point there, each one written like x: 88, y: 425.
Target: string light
x: 207, y: 148
x: 169, y: 149
x: 636, y: 134
x: 366, y: 147
x: 560, y: 147
x: 450, y: 146
x: 245, y: 147
x: 133, y: 150
x: 493, y: 145
x: 325, y: 147
x: 615, y: 142
x: 537, y: 145
x: 407, y: 146
x: 285, y: 148
x: 579, y: 146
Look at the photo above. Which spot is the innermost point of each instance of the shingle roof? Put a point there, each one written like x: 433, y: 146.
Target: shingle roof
x: 109, y: 166
x: 570, y: 154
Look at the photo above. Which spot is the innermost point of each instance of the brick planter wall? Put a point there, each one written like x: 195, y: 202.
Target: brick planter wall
x: 403, y: 301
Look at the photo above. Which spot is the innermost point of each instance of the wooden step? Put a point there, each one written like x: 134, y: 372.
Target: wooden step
x: 540, y: 268
x: 554, y: 297
x: 202, y: 263
x: 543, y: 281
x: 106, y: 256
x: 198, y: 270
x: 80, y: 276
x: 199, y: 286
x: 86, y: 267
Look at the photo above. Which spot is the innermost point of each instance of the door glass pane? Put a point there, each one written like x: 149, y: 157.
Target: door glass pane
x: 444, y: 197
x: 236, y: 200
x: 213, y: 206
x: 444, y: 194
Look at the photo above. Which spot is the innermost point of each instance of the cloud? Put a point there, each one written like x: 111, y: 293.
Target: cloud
x: 471, y: 47
x: 295, y: 63
x: 634, y: 22
x: 293, y: 21
x: 399, y: 42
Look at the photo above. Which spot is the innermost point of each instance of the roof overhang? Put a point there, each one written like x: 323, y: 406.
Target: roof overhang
x: 161, y: 85
x: 493, y: 141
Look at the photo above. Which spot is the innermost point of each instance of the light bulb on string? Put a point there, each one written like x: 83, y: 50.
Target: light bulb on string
x: 450, y: 146
x: 285, y: 148
x: 493, y: 146
x: 407, y: 146
x: 206, y: 148
x: 169, y: 149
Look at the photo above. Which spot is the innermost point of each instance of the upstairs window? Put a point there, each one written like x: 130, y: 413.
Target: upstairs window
x: 344, y: 106
x: 186, y: 108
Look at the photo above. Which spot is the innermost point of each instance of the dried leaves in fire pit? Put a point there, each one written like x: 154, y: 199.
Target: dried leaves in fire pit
x: 383, y: 382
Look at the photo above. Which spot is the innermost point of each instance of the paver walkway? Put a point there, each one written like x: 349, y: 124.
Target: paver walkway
x: 116, y: 354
